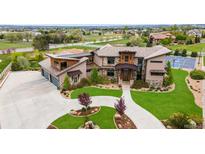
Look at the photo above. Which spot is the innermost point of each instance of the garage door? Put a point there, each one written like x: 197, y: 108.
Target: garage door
x: 54, y: 81
x: 46, y: 75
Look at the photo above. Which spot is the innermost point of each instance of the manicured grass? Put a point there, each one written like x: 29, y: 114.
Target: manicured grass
x: 194, y: 47
x: 96, y: 37
x: 204, y: 60
x: 162, y: 105
x: 5, y: 60
x: 6, y: 45
x: 92, y: 91
x: 122, y: 41
x: 85, y: 48
x: 104, y: 119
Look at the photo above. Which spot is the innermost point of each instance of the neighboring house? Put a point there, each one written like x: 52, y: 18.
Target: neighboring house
x: 194, y: 32
x: 157, y: 37
x: 120, y: 63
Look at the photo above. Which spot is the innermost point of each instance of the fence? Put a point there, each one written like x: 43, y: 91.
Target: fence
x: 4, y: 73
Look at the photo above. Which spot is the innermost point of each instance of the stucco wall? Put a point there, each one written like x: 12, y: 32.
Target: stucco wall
x: 81, y: 67
x: 98, y: 60
x: 155, y: 66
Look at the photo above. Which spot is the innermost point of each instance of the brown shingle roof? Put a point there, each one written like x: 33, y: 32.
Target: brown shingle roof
x: 146, y: 52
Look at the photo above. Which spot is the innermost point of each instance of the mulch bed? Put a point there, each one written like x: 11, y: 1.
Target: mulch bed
x: 124, y: 122
x: 90, y: 111
x: 51, y: 127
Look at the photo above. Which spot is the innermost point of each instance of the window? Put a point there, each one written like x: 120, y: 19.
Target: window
x: 156, y: 61
x: 75, y: 78
x: 63, y: 65
x: 56, y: 62
x: 157, y: 74
x: 126, y: 59
x: 110, y: 72
x: 111, y: 60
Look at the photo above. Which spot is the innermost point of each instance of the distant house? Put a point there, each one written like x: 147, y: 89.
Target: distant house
x: 119, y: 63
x: 194, y: 32
x: 157, y: 37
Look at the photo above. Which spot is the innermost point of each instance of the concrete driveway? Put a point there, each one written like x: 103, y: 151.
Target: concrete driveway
x: 27, y: 100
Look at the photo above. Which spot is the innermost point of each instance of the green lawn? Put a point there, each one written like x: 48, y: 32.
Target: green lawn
x: 204, y: 60
x: 194, y: 47
x: 92, y: 91
x: 85, y: 48
x: 104, y: 119
x: 6, y: 45
x: 122, y: 41
x: 5, y: 60
x: 164, y: 104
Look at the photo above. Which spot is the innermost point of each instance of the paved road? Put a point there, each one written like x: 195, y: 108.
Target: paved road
x: 55, y: 46
x: 30, y: 101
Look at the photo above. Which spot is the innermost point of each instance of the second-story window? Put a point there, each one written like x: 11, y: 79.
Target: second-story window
x: 63, y: 65
x: 126, y: 59
x: 56, y: 62
x: 111, y: 60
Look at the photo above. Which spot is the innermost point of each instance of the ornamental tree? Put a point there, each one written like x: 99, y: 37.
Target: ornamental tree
x: 120, y: 106
x: 85, y: 100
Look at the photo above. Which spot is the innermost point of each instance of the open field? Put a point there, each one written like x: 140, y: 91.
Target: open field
x: 104, y: 119
x: 162, y: 105
x: 6, y: 45
x: 96, y: 37
x: 92, y: 91
x: 194, y: 47
x: 122, y: 41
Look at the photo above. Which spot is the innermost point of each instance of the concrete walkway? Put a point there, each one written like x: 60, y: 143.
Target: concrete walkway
x: 27, y: 100
x: 142, y: 118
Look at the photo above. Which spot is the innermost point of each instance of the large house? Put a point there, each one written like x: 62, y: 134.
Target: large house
x: 194, y: 32
x: 157, y: 37
x: 120, y: 63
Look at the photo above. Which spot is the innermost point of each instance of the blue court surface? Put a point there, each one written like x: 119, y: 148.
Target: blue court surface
x: 181, y: 62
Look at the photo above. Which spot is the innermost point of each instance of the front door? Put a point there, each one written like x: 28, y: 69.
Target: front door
x: 126, y: 75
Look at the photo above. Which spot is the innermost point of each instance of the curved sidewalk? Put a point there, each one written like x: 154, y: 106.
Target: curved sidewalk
x: 141, y: 117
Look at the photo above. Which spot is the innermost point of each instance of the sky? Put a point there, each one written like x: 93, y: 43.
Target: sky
x: 41, y: 12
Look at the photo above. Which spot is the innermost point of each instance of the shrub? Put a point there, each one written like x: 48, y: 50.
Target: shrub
x: 177, y: 53
x: 138, y: 84
x: 15, y: 66
x: 85, y: 100
x: 66, y: 83
x: 194, y: 54
x: 197, y: 119
x: 178, y: 120
x: 120, y: 106
x: 168, y: 79
x: 94, y: 78
x: 184, y: 53
x: 113, y: 80
x: 166, y: 41
x: 197, y: 74
x: 103, y: 79
x: 23, y: 62
x: 84, y: 82
x: 39, y: 57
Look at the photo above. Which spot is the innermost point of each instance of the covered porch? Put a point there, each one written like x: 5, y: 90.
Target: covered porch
x: 126, y: 73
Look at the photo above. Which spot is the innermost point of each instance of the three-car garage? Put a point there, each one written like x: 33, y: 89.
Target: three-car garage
x: 50, y: 77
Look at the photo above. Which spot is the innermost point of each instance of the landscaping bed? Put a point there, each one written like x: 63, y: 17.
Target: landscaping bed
x: 123, y: 122
x: 104, y: 119
x: 83, y: 112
